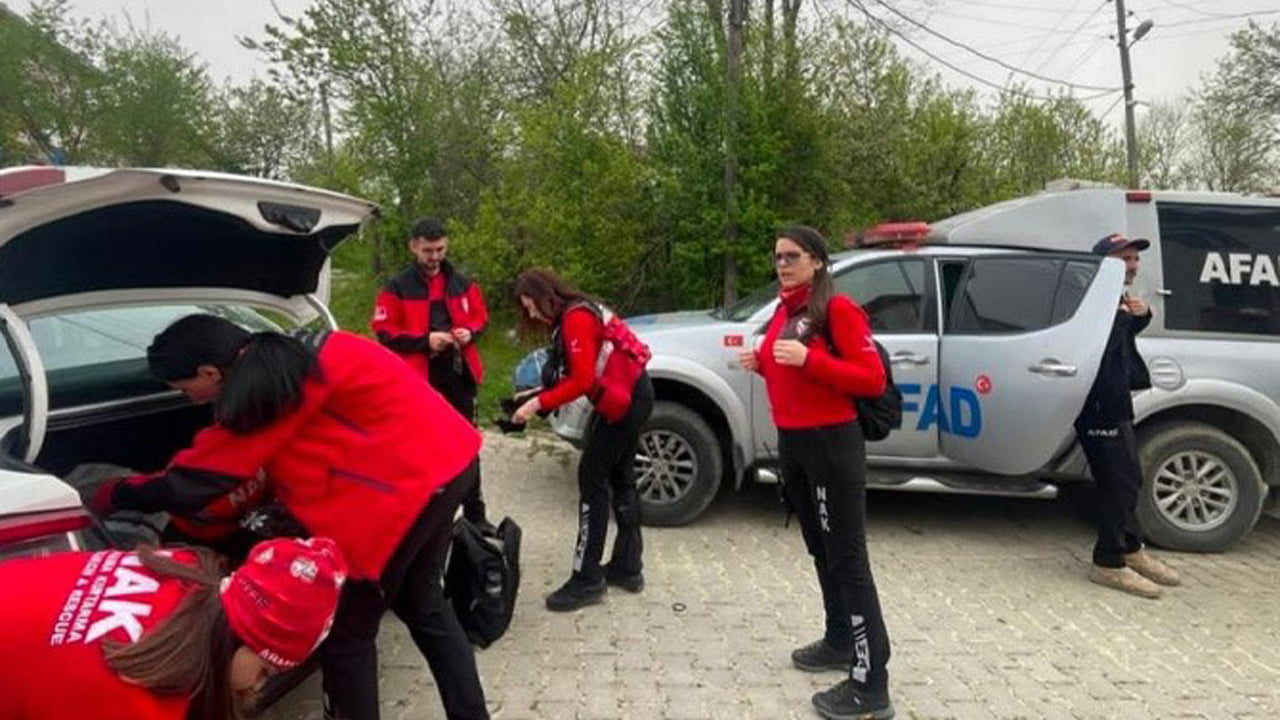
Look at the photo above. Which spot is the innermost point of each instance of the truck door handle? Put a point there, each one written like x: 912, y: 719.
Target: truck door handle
x: 1053, y: 368
x: 906, y: 357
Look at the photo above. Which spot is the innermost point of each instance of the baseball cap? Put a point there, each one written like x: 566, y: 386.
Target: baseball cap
x: 1115, y: 242
x: 281, y: 602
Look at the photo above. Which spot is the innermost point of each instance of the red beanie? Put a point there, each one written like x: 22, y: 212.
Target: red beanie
x: 281, y: 602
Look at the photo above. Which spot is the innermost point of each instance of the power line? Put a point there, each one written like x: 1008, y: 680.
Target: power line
x: 1110, y: 107
x: 991, y: 58
x: 1014, y: 91
x: 1220, y: 18
x: 1021, y: 8
x: 992, y: 21
x: 1075, y: 32
x: 1189, y: 8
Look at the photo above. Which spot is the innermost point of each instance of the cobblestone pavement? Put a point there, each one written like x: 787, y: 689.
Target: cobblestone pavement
x: 986, y: 602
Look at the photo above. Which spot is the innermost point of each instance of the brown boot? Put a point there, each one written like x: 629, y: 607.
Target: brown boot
x: 1152, y: 568
x: 1124, y: 579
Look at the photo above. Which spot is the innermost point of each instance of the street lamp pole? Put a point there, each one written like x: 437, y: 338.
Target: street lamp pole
x: 1126, y: 71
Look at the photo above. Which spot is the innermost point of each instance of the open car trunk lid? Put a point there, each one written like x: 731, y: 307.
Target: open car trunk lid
x: 78, y: 236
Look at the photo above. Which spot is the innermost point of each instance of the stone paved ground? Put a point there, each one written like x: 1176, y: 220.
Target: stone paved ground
x: 985, y: 598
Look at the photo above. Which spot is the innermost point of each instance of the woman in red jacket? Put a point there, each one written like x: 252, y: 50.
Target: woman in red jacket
x: 607, y: 467
x: 817, y: 356
x: 159, y: 635
x: 357, y: 448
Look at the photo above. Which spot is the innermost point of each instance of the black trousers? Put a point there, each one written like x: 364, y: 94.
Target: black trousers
x: 411, y: 587
x: 1112, y: 451
x: 824, y: 482
x: 449, y: 375
x: 606, y: 472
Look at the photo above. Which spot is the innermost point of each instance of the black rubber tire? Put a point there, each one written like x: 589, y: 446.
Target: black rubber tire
x: 1156, y: 446
x: 679, y: 420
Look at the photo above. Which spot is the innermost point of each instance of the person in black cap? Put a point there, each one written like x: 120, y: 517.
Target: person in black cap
x: 1105, y: 429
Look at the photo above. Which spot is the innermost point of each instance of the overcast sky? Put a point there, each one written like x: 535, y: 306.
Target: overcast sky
x: 1060, y: 39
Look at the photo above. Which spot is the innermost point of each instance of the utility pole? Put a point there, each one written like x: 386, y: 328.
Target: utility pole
x: 733, y: 79
x: 1130, y: 128
x: 328, y: 125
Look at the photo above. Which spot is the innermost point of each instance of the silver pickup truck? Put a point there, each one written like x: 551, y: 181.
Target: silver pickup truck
x: 995, y: 340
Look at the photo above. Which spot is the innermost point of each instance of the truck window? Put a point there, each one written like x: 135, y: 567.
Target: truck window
x: 1221, y: 264
x: 892, y: 293
x: 1012, y: 295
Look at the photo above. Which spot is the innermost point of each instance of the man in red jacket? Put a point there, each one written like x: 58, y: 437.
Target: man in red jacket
x: 431, y: 315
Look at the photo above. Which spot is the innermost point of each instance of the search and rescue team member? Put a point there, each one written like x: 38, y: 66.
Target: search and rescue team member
x: 1105, y: 429
x: 337, y: 424
x: 159, y: 635
x: 811, y: 387
x: 432, y: 315
x: 607, y: 466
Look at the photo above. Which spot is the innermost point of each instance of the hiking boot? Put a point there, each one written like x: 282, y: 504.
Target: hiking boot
x: 574, y: 594
x: 818, y: 656
x: 1124, y: 579
x: 1152, y: 568
x: 631, y: 583
x: 847, y: 702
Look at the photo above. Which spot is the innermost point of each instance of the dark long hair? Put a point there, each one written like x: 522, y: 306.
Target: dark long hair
x: 262, y: 373
x: 551, y: 295
x: 188, y: 654
x: 820, y: 295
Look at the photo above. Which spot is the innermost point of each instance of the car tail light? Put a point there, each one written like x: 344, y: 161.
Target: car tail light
x: 41, y: 533
x: 1138, y: 196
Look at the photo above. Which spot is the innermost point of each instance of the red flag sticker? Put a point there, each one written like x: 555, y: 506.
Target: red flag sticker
x: 733, y: 341
x: 982, y: 385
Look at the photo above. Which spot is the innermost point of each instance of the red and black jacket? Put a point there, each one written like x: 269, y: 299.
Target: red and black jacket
x: 350, y: 463
x: 402, y: 315
x: 820, y: 392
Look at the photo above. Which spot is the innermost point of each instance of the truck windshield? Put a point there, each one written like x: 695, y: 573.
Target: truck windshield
x: 749, y: 305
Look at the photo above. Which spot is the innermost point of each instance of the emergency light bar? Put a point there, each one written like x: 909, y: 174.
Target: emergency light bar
x: 896, y: 234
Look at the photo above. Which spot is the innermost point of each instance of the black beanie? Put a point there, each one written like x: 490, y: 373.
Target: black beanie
x: 192, y: 341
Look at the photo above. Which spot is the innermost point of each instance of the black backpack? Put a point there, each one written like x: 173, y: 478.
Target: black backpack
x: 483, y: 578
x: 881, y: 415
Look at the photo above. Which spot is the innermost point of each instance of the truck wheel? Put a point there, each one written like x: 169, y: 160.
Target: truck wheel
x: 1201, y: 489
x: 678, y: 466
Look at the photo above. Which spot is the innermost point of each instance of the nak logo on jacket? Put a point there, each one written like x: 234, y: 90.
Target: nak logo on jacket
x: 111, y: 593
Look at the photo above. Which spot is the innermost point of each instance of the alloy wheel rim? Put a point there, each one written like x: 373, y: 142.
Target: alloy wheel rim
x: 666, y: 467
x: 1195, y: 491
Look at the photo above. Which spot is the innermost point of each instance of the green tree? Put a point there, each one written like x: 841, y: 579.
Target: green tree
x: 264, y: 131
x: 48, y: 83
x: 156, y: 101
x: 416, y: 98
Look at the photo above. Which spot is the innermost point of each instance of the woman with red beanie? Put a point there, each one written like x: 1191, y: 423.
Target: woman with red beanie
x: 159, y: 635
x: 356, y: 448
x: 581, y: 327
x: 817, y: 356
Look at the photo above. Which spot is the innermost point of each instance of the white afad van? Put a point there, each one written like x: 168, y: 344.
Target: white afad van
x: 1209, y: 428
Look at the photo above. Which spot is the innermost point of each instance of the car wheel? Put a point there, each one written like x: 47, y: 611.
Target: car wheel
x: 678, y: 466
x: 1201, y: 489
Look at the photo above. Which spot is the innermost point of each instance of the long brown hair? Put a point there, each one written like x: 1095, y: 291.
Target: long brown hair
x: 189, y: 653
x: 820, y: 294
x: 551, y: 295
